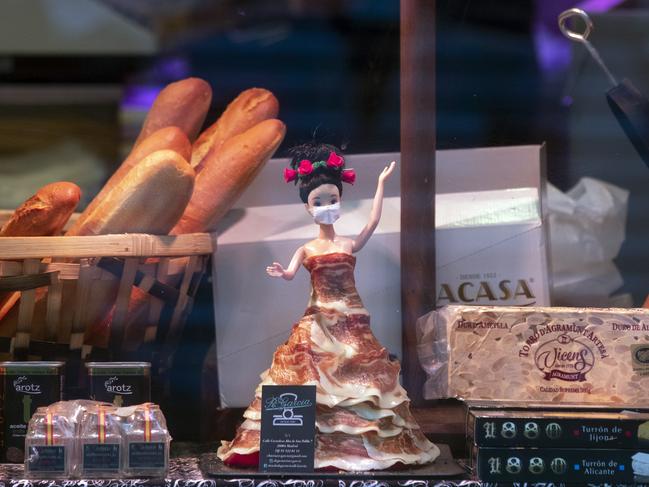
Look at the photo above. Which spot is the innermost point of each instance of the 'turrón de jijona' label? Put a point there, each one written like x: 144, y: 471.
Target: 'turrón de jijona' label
x: 558, y: 429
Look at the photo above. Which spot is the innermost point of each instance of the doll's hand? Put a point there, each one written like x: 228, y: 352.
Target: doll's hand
x: 387, y: 171
x: 275, y: 270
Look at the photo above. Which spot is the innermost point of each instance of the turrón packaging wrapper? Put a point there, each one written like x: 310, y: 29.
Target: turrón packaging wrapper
x: 540, y: 355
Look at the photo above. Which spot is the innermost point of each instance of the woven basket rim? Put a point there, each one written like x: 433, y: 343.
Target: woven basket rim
x: 122, y: 245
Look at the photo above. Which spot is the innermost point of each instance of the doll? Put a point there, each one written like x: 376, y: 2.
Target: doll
x: 363, y: 419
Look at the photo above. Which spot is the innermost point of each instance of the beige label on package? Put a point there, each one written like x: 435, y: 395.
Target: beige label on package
x: 572, y: 355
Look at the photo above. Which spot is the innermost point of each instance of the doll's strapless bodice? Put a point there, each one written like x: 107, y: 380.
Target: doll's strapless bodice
x: 332, y: 280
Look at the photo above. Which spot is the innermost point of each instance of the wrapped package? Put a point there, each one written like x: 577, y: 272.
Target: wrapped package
x: 73, y: 410
x: 640, y: 464
x: 90, y: 439
x: 146, y: 441
x: 50, y: 446
x: 100, y: 443
x: 540, y: 355
x: 587, y: 229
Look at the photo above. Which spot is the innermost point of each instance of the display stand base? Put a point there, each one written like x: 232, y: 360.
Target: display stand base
x: 191, y: 467
x: 442, y: 468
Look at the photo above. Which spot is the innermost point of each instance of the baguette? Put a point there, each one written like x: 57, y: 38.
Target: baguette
x: 245, y: 111
x: 149, y: 199
x: 171, y: 138
x: 226, y: 174
x: 45, y: 213
x: 183, y: 104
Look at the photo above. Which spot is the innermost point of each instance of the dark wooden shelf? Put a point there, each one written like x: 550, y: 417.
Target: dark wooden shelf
x: 185, y: 471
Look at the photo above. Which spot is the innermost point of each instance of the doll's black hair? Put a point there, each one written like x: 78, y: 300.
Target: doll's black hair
x: 314, y: 151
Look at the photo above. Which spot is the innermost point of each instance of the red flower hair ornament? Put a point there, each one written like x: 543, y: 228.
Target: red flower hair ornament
x: 306, y: 167
x: 289, y: 174
x: 348, y: 176
x: 335, y: 161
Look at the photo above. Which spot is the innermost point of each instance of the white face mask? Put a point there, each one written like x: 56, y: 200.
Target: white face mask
x: 326, y: 215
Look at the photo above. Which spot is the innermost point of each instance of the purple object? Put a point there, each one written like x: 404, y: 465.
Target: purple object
x: 140, y: 97
x: 552, y: 50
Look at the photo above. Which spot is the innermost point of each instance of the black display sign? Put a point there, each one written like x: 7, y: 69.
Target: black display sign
x: 287, y: 428
x: 101, y: 457
x: 49, y: 459
x: 147, y: 455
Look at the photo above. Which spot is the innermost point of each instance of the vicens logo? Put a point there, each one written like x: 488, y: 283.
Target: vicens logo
x: 21, y: 385
x: 113, y: 387
x: 485, y: 292
x: 563, y: 350
x: 565, y: 358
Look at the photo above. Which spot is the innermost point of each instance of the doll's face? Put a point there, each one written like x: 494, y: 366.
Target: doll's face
x: 323, y: 195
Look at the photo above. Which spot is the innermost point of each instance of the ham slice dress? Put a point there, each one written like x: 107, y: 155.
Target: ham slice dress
x: 363, y: 419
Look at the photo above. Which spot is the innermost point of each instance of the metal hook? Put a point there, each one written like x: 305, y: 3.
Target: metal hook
x: 583, y: 37
x: 575, y: 13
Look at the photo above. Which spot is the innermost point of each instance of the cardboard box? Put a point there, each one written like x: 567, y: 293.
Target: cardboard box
x: 576, y: 466
x: 491, y: 227
x: 558, y: 429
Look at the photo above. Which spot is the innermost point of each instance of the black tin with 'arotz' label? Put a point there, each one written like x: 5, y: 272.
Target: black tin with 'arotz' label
x: 120, y: 383
x: 25, y: 387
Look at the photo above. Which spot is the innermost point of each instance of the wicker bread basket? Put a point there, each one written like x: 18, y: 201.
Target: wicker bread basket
x: 74, y: 270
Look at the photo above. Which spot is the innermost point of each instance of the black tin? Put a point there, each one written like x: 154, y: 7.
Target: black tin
x: 120, y: 383
x: 25, y: 387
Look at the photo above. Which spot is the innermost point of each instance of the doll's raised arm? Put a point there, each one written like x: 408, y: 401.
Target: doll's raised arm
x: 276, y: 269
x: 377, y: 208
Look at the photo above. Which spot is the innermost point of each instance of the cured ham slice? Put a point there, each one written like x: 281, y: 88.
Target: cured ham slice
x: 344, y: 451
x: 363, y: 419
